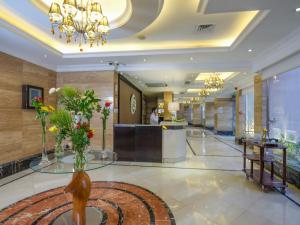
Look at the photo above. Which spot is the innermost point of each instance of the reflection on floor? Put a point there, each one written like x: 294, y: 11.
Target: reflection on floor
x: 208, y: 188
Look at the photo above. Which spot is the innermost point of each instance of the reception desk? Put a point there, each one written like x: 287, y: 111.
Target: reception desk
x: 150, y: 143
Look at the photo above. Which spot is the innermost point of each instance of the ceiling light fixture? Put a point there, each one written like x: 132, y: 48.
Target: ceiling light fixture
x: 192, y: 59
x: 80, y: 20
x: 298, y: 10
x: 214, y: 82
x: 250, y: 50
x: 145, y: 60
x: 204, y: 93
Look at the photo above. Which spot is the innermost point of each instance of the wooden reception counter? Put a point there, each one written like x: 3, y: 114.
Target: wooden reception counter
x: 150, y: 143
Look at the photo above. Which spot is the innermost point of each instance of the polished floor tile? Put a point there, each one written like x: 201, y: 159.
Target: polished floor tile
x: 208, y: 188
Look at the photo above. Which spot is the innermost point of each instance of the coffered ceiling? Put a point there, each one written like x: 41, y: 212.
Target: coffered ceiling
x: 168, y: 41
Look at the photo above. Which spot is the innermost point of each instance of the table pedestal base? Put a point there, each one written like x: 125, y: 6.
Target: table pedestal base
x: 80, y: 188
x: 93, y: 217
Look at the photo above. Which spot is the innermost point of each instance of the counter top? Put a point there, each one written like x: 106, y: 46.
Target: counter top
x: 163, y: 123
x: 169, y: 125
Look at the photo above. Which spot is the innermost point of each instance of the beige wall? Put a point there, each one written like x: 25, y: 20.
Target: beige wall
x: 209, y: 115
x: 103, y: 85
x: 20, y: 133
x: 126, y: 117
x: 196, y: 115
x: 223, y: 114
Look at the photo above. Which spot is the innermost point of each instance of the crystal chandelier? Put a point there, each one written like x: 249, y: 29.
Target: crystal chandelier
x: 204, y: 93
x: 214, y: 82
x: 80, y: 20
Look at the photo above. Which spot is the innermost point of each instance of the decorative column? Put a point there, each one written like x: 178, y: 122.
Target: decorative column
x: 209, y: 115
x: 224, y: 116
x: 258, y: 106
x: 168, y: 98
x: 237, y: 114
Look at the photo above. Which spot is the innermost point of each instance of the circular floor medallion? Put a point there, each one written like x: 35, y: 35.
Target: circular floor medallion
x: 94, y: 216
x: 110, y: 203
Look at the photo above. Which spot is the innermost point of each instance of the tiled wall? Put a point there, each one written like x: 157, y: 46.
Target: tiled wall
x: 103, y: 83
x: 20, y: 133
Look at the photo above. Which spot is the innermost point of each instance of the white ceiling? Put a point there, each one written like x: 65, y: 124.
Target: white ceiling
x: 173, y: 51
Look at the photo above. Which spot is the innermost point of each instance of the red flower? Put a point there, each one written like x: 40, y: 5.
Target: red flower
x: 90, y: 134
x: 37, y: 99
x: 78, y: 126
x: 107, y: 104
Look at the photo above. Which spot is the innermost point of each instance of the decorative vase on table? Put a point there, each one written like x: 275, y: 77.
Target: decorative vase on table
x: 105, y: 115
x: 42, y: 111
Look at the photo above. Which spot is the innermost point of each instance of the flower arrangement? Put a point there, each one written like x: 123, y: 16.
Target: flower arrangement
x: 61, y: 121
x: 42, y: 111
x: 73, y: 120
x: 105, y: 112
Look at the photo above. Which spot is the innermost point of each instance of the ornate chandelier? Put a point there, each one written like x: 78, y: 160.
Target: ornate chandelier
x: 204, y: 93
x: 80, y: 20
x: 214, y: 82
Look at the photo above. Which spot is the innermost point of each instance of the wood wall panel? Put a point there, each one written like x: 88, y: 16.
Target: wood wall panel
x: 126, y: 91
x: 20, y: 133
x: 103, y: 84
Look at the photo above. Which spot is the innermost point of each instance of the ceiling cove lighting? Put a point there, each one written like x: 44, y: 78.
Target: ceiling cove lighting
x: 79, y: 20
x: 214, y: 82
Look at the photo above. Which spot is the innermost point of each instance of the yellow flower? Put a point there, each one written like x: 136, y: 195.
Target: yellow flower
x: 53, y: 129
x: 164, y: 127
x: 51, y: 108
x: 45, y: 109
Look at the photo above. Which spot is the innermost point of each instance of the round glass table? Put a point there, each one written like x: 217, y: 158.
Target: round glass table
x: 80, y: 185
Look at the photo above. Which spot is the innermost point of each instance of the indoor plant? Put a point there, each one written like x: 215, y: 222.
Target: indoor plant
x: 42, y: 111
x: 73, y: 120
x: 105, y: 111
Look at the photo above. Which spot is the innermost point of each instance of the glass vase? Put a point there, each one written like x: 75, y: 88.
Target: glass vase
x: 58, y: 150
x: 80, y: 159
x: 45, y: 159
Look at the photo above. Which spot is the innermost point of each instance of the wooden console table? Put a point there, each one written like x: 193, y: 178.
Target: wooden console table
x: 265, y: 178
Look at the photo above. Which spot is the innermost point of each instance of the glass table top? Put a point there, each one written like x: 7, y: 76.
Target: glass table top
x: 95, y: 160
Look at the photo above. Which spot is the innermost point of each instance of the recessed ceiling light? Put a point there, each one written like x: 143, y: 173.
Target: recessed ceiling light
x: 191, y: 58
x: 250, y: 50
x: 298, y: 10
x: 145, y: 60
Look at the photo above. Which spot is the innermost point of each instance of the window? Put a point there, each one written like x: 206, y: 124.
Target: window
x: 284, y: 112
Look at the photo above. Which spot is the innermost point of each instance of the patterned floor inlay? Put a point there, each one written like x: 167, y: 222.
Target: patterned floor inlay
x: 120, y: 204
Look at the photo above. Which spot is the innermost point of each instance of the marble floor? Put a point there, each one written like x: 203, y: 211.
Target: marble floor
x: 209, y: 188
